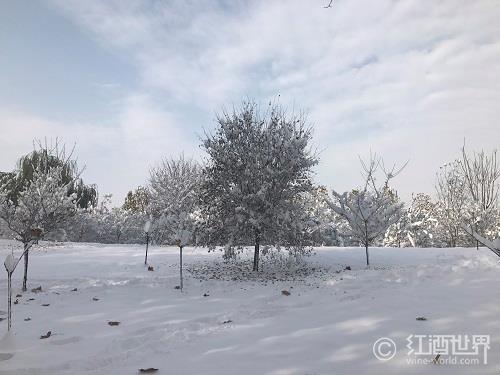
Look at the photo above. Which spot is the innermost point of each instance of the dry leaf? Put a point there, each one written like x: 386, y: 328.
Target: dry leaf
x: 436, y: 359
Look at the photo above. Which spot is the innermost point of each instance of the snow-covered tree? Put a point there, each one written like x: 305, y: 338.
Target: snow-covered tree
x: 43, y: 207
x: 323, y: 221
x: 452, y: 204
x: 82, y: 227
x: 371, y: 210
x: 468, y: 190
x: 259, y: 163
x: 173, y: 202
x: 47, y: 155
x: 481, y: 174
x: 417, y: 226
x: 137, y: 200
x: 116, y: 224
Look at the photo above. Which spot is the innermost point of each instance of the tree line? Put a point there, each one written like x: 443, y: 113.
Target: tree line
x: 255, y: 188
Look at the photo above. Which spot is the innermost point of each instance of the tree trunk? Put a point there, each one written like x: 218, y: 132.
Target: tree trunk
x: 26, y: 257
x: 367, y: 255
x: 180, y: 267
x: 9, y: 301
x: 256, y: 252
x: 147, y: 245
x: 477, y: 242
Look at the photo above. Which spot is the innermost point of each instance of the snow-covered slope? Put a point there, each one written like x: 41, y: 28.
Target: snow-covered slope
x: 225, y: 323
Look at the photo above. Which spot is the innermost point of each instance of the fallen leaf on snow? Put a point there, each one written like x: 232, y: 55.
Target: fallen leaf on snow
x: 148, y: 370
x: 285, y: 292
x: 113, y: 323
x: 46, y: 336
x: 436, y: 359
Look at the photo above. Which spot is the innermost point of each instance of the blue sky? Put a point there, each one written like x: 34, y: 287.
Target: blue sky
x: 55, y: 69
x: 133, y: 81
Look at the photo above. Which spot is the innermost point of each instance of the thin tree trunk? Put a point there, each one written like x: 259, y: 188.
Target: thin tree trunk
x: 366, y: 244
x: 147, y: 245
x: 367, y: 255
x: 26, y: 258
x: 9, y: 302
x: 180, y: 267
x: 256, y: 252
x: 477, y: 242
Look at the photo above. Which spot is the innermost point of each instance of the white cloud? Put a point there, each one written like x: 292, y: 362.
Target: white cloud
x: 117, y: 157
x: 409, y: 79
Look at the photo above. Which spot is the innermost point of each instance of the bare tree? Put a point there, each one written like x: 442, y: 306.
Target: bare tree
x: 452, y: 202
x: 370, y: 210
x: 481, y: 174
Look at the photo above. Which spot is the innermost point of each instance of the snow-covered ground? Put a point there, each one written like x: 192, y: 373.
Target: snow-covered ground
x: 225, y: 323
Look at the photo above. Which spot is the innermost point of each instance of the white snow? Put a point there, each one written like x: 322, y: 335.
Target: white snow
x: 9, y: 263
x: 326, y: 326
x: 147, y: 226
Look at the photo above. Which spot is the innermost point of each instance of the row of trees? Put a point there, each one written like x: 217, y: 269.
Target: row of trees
x: 467, y: 196
x: 254, y: 188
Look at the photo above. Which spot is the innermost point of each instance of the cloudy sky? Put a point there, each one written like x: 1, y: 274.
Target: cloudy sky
x: 133, y: 81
